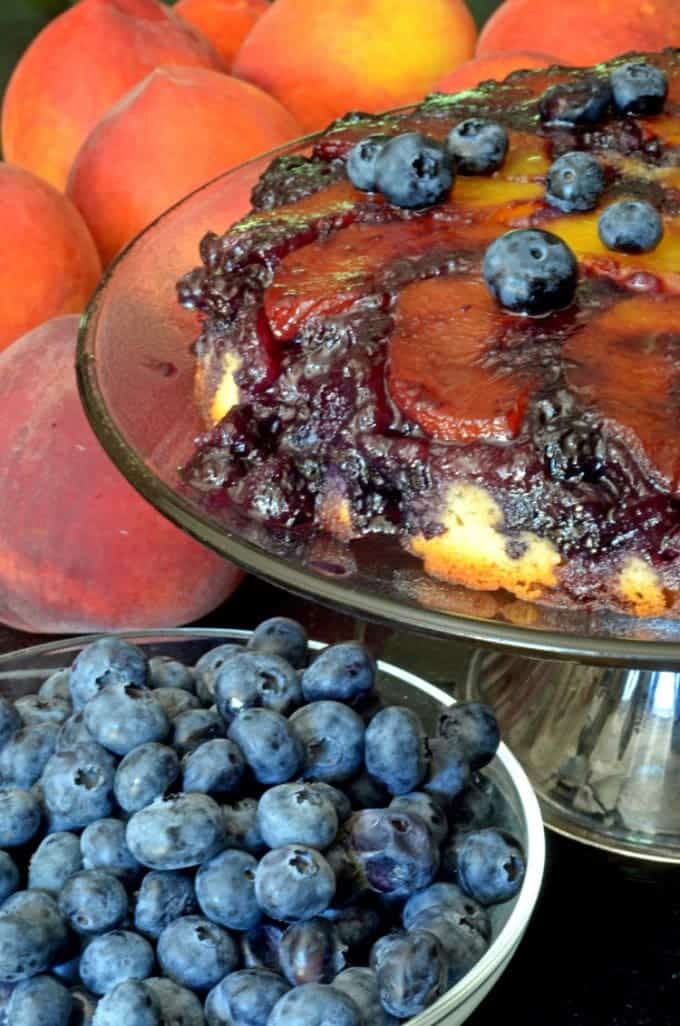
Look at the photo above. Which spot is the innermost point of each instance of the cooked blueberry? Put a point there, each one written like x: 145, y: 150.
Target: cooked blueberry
x: 332, y: 737
x: 427, y: 808
x: 78, y: 786
x: 244, y: 998
x: 395, y: 850
x: 638, y: 88
x: 449, y: 770
x: 463, y: 944
x: 20, y: 816
x: 260, y: 947
x: 175, y: 701
x: 215, y: 767
x: 179, y: 1006
x: 104, y: 846
x: 193, y: 727
x: 412, y: 971
x: 176, y: 832
x: 530, y: 271
x: 395, y: 749
x: 343, y: 673
x: 315, y: 1004
x: 357, y: 925
x: 490, y: 865
x: 56, y: 859
x: 9, y: 876
x: 93, y: 901
x: 36, y: 709
x: 311, y: 952
x: 10, y: 721
x: 113, y: 958
x: 130, y: 1003
x: 414, y: 171
x: 269, y: 744
x: 103, y: 662
x: 40, y: 1001
x: 630, y: 226
x: 144, y: 775
x: 337, y: 798
x: 208, y: 665
x: 361, y: 162
x: 225, y: 888
x: 162, y: 898
x: 241, y: 826
x: 166, y: 672
x: 296, y: 814
x: 361, y: 984
x: 25, y: 755
x: 449, y: 898
x: 478, y: 145
x: 584, y: 101
x: 57, y: 685
x: 253, y: 679
x: 282, y: 637
x: 575, y: 182
x: 196, y: 953
x: 294, y: 883
x: 121, y: 717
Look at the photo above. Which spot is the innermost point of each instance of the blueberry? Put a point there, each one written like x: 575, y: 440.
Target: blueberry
x: 412, y: 971
x: 244, y: 998
x: 584, y: 101
x: 449, y: 770
x: 260, y: 947
x: 638, y: 88
x: 20, y: 816
x: 630, y: 226
x: 344, y: 673
x: 162, y: 898
x: 25, y: 755
x: 225, y: 888
x: 395, y: 749
x: 9, y: 876
x: 26, y: 948
x: 73, y: 732
x: 462, y: 943
x: 103, y: 846
x: 215, y: 767
x: 294, y: 883
x: 176, y: 832
x: 93, y: 901
x: 78, y: 786
x: 241, y: 826
x: 414, y: 171
x: 332, y: 737
x: 113, y: 958
x: 57, y: 685
x: 427, y: 808
x: 253, y: 679
x: 268, y: 743
x: 296, y: 814
x: 477, y: 805
x: 365, y: 792
x: 282, y: 637
x: 448, y: 898
x: 357, y: 925
x: 350, y: 885
x: 208, y: 665
x: 84, y: 1007
x: 10, y: 721
x: 575, y: 182
x: 361, y: 984
x: 311, y: 952
x: 41, y: 908
x: 193, y: 727
x: 362, y: 160
x: 166, y: 672
x: 144, y: 775
x: 315, y: 1004
x: 121, y: 717
x: 490, y: 865
x: 40, y: 1001
x: 337, y: 798
x: 394, y: 849
x: 530, y: 271
x: 131, y: 1003
x: 106, y: 661
x: 478, y: 146
x: 179, y: 1007
x: 36, y: 709
x: 56, y: 859
x: 196, y: 953
x: 175, y: 701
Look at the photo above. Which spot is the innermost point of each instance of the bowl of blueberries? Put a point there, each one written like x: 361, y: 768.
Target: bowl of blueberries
x: 231, y: 828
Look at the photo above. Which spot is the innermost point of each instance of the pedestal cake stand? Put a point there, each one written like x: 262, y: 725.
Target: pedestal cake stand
x: 588, y: 701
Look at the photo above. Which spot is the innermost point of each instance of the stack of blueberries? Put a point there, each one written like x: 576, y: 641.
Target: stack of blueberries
x: 252, y: 841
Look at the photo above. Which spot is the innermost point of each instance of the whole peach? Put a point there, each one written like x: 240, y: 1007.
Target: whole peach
x: 226, y: 23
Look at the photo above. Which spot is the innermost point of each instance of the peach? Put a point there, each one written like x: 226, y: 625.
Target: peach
x: 582, y: 31
x: 323, y: 59
x: 80, y: 550
x: 225, y: 23
x: 48, y: 261
x: 496, y: 67
x: 176, y: 130
x: 78, y: 66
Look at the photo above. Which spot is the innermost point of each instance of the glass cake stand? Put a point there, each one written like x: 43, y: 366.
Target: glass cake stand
x: 588, y: 700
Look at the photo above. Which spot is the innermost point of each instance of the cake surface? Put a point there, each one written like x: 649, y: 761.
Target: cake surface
x: 357, y: 375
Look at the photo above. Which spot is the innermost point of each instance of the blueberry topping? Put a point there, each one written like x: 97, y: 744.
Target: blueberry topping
x: 638, y: 88
x: 361, y: 162
x: 478, y: 145
x: 414, y: 171
x: 630, y: 226
x: 575, y: 182
x: 530, y: 271
x: 581, y: 102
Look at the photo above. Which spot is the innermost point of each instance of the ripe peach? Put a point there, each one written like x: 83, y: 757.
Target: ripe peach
x: 354, y: 54
x: 173, y: 132
x: 582, y: 31
x: 80, y: 550
x: 496, y: 66
x: 79, y: 65
x: 225, y: 23
x: 48, y: 262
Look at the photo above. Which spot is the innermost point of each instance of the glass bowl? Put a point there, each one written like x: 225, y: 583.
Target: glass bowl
x: 23, y: 672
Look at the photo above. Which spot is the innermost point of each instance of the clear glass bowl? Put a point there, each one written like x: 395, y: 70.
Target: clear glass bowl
x: 24, y: 671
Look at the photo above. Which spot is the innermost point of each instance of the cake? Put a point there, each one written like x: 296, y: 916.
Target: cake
x: 360, y: 372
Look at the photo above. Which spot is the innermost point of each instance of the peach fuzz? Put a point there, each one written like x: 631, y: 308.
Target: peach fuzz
x: 323, y: 59
x: 48, y: 261
x: 495, y: 67
x: 175, y: 131
x: 582, y: 31
x: 78, y: 66
x: 225, y: 23
x: 80, y: 550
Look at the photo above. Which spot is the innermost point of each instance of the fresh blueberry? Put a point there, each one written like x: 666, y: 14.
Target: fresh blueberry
x: 575, y: 182
x: 196, y: 953
x: 33, y: 935
x: 9, y: 876
x: 361, y: 984
x: 448, y: 898
x: 131, y: 1003
x: 343, y: 673
x: 36, y: 709
x: 176, y: 832
x: 357, y: 925
x: 73, y: 732
x: 350, y: 884
x: 473, y: 728
x: 530, y: 271
x: 106, y: 661
x: 365, y: 792
x: 215, y: 767
x: 427, y: 808
x: 332, y: 737
x: 208, y: 665
x: 395, y: 749
x: 414, y: 171
x: 57, y: 685
x: 175, y: 701
x: 449, y: 770
x: 294, y: 883
x: 10, y: 721
x: 162, y: 898
x: 260, y: 947
x: 179, y: 1006
x: 121, y: 717
x: 490, y: 865
x: 84, y: 1007
x: 282, y: 637
x: 253, y: 679
x: 395, y: 850
x: 241, y: 826
x: 478, y: 146
x: 412, y: 971
x: 114, y: 957
x: 630, y: 226
x: 193, y: 727
x: 583, y: 101
x: 296, y: 814
x: 362, y: 160
x: 20, y: 816
x: 56, y: 859
x: 269, y: 744
x: 225, y: 888
x: 78, y: 786
x: 638, y: 88
x: 166, y: 672
x: 144, y: 775
x: 41, y: 908
x: 311, y: 952
x: 463, y: 944
x: 40, y: 1001
x: 477, y: 805
x: 337, y: 798
x: 315, y: 1004
x: 25, y: 755
x: 244, y: 998
x: 93, y: 901
x: 103, y: 846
